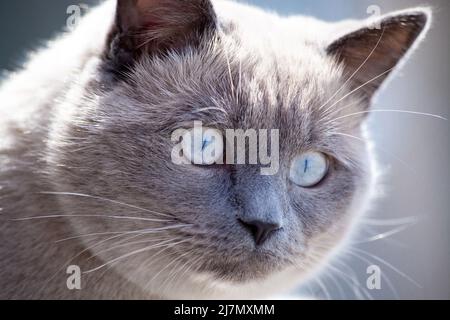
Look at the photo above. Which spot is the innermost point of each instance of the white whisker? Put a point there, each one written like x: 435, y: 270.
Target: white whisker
x: 169, y: 264
x: 105, y: 199
x: 131, y: 254
x: 230, y: 74
x: 359, y: 88
x: 383, y: 275
x: 146, y: 231
x: 403, y: 162
x: 89, y: 216
x: 77, y: 255
x: 239, y: 90
x: 390, y: 222
x: 127, y: 244
x: 388, y: 265
x: 390, y: 110
x: 357, y: 287
x: 211, y: 109
x: 384, y: 235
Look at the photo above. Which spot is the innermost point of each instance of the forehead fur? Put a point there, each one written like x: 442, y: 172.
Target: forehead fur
x: 237, y: 79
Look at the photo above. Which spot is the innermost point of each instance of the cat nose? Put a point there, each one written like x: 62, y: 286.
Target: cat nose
x: 260, y: 230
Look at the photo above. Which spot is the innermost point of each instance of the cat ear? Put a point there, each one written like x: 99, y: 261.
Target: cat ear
x: 154, y: 26
x: 370, y: 53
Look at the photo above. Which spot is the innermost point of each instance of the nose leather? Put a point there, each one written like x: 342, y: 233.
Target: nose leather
x: 260, y: 230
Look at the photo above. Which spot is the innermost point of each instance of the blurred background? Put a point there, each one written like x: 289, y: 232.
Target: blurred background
x: 407, y: 233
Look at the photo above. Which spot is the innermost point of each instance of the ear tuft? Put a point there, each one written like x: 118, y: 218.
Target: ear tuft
x: 370, y: 53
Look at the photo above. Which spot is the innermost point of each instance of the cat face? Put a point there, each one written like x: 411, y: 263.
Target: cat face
x: 170, y: 63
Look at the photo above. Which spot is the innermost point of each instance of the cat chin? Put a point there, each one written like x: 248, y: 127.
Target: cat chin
x: 208, y: 286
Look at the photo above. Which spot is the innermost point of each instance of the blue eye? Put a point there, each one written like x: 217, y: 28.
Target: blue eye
x: 203, y: 146
x: 308, y: 169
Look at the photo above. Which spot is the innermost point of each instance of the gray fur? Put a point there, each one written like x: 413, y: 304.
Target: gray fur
x: 86, y: 127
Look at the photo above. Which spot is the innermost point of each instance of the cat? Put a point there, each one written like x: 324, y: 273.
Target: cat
x: 86, y: 177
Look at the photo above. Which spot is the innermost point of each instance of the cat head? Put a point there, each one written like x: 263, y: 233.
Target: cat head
x: 167, y: 64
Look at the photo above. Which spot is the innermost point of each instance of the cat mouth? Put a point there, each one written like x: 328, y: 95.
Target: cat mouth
x: 254, y: 265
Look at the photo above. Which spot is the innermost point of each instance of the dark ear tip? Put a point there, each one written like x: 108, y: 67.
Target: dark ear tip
x: 414, y: 21
x: 419, y: 17
x: 423, y: 14
x: 422, y: 17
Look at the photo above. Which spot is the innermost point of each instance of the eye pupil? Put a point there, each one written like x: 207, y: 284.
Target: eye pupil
x: 206, y: 142
x: 306, y: 166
